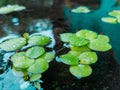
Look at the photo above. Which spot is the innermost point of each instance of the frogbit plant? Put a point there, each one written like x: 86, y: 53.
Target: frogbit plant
x: 114, y: 17
x: 30, y: 57
x: 83, y: 45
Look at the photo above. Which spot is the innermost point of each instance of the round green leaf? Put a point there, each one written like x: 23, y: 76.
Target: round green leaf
x: 39, y: 66
x: 39, y: 40
x: 78, y: 41
x: 98, y: 45
x: 49, y: 56
x: 103, y: 38
x: 35, y: 77
x: 88, y: 58
x: 87, y: 34
x: 23, y: 62
x: 35, y: 52
x: 13, y: 44
x: 66, y: 37
x: 115, y: 13
x: 69, y: 59
x: 17, y: 55
x: 80, y: 49
x: 81, y: 9
x: 109, y: 20
x: 80, y: 70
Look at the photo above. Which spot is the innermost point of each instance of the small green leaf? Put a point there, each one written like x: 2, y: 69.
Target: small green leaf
x: 81, y: 9
x: 79, y: 49
x: 49, y: 56
x: 87, y: 34
x: 88, y: 58
x: 39, y: 66
x: 103, y: 38
x: 80, y: 70
x: 37, y: 85
x: 78, y: 41
x: 35, y: 52
x: 35, y: 77
x: 66, y: 37
x: 23, y: 62
x: 69, y: 59
x: 17, y: 55
x: 39, y: 40
x: 98, y: 45
x: 109, y: 20
x: 115, y: 13
x: 13, y: 44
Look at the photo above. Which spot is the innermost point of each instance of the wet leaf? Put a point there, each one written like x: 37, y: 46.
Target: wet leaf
x: 109, y: 20
x: 35, y: 52
x: 79, y: 49
x: 115, y: 13
x: 37, y: 85
x: 66, y: 37
x: 39, y: 66
x: 80, y: 70
x: 78, y: 41
x: 17, y: 55
x: 88, y: 58
x: 81, y: 9
x: 13, y: 44
x: 39, y: 40
x: 49, y: 56
x: 35, y: 77
x: 98, y: 45
x: 23, y: 62
x: 87, y: 34
x: 69, y: 59
x: 103, y: 38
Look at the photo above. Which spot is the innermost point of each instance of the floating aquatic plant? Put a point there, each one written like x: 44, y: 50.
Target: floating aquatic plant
x: 114, y: 17
x: 81, y: 9
x: 82, y: 45
x: 11, y: 8
x: 32, y: 61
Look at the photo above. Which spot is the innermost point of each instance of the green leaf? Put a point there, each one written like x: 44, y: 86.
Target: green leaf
x: 87, y: 34
x: 49, y: 56
x: 69, y: 59
x: 78, y: 41
x: 22, y: 62
x: 115, y: 13
x: 37, y: 85
x: 39, y: 66
x: 103, y: 38
x: 79, y: 49
x: 98, y: 45
x: 39, y: 40
x: 88, y: 58
x: 81, y: 9
x: 74, y: 53
x: 80, y: 70
x: 109, y: 20
x: 66, y: 37
x: 35, y: 77
x: 35, y: 52
x: 13, y: 44
x: 17, y: 55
